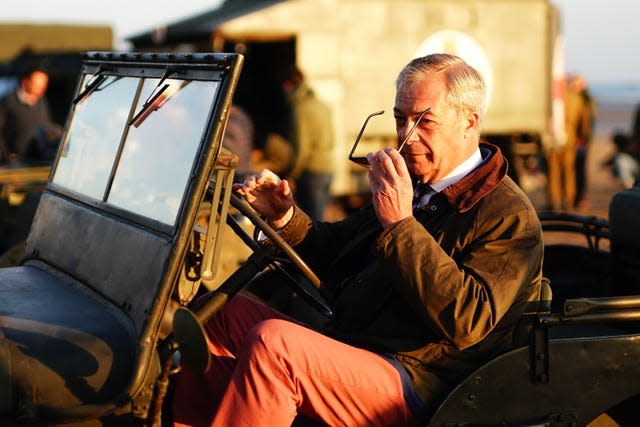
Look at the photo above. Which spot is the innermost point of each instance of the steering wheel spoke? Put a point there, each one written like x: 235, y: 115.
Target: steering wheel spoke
x: 319, y: 301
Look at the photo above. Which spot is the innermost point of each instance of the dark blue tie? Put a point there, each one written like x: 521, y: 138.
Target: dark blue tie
x: 419, y: 194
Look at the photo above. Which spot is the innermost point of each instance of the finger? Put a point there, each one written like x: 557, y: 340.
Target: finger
x: 375, y: 165
x: 374, y: 171
x: 284, y: 187
x: 237, y: 188
x: 384, y: 167
x: 386, y: 163
x: 399, y: 164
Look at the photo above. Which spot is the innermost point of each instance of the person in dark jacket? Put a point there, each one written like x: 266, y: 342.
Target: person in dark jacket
x: 311, y: 136
x: 429, y: 281
x: 27, y: 132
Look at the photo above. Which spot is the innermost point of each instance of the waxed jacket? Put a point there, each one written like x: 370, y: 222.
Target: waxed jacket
x: 442, y: 291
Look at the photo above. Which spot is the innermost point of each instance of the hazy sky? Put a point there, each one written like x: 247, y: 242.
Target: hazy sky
x: 602, y: 36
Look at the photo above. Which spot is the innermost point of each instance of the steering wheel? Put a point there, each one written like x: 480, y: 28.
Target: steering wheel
x: 188, y: 328
x: 245, y: 209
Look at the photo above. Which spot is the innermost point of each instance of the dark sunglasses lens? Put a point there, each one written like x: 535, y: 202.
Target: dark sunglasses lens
x: 360, y: 160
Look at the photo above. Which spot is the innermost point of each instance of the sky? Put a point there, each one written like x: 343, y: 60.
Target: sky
x: 602, y: 37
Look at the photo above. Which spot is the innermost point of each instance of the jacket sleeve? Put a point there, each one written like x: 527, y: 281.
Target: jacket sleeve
x: 321, y: 243
x: 463, y: 292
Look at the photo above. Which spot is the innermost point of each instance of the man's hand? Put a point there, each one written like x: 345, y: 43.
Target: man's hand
x: 269, y: 195
x: 391, y: 188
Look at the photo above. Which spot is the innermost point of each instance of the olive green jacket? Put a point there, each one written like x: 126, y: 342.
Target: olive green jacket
x: 443, y: 290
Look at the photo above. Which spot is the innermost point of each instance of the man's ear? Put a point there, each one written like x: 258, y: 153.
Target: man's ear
x: 472, y: 123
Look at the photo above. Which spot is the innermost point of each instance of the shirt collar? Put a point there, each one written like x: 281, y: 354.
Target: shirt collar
x: 459, y: 172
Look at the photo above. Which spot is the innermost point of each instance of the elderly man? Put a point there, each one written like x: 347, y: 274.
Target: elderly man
x: 429, y: 281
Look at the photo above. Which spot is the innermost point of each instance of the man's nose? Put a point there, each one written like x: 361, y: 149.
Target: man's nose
x: 409, y: 134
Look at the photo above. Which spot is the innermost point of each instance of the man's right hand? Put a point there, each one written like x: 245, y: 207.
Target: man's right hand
x: 269, y: 195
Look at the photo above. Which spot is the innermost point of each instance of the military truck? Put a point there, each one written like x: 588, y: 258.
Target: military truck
x: 96, y: 316
x: 352, y: 50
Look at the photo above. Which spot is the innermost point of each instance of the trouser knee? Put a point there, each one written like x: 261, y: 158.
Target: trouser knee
x: 271, y: 334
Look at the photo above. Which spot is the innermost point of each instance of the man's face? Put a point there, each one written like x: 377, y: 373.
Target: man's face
x: 443, y: 139
x: 36, y: 84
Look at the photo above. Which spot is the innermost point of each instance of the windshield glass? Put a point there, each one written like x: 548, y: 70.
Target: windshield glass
x: 158, y: 156
x: 141, y: 165
x: 91, y: 143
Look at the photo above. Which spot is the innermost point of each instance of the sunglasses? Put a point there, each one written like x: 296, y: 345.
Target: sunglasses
x: 363, y: 161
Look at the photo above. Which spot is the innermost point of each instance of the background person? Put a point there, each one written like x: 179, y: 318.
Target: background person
x: 561, y: 158
x: 313, y: 140
x: 277, y: 155
x: 625, y: 162
x: 585, y: 124
x: 239, y: 138
x: 27, y: 132
x: 428, y: 284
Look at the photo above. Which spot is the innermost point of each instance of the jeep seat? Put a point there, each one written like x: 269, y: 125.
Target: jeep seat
x: 625, y: 241
x: 70, y: 339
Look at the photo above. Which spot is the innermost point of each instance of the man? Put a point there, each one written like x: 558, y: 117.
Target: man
x: 584, y: 125
x: 423, y: 295
x: 27, y: 132
x: 561, y: 160
x: 238, y: 138
x: 312, y: 137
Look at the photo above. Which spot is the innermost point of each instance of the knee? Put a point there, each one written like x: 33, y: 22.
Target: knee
x: 272, y: 336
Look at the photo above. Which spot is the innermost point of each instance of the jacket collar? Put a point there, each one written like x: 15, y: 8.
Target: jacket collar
x: 465, y: 193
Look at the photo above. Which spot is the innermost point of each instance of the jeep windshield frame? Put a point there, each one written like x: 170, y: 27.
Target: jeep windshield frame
x: 148, y: 123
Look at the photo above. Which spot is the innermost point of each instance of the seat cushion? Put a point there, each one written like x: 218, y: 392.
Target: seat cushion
x: 576, y: 271
x: 60, y: 344
x: 625, y: 241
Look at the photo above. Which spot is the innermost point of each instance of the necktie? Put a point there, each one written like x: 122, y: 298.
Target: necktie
x: 421, y: 195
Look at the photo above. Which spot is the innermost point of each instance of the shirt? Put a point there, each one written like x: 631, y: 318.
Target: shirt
x: 423, y: 191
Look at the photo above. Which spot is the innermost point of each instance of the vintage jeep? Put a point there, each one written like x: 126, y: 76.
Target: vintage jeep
x: 130, y: 225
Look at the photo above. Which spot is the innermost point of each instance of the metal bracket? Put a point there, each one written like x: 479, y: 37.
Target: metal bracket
x: 539, y: 354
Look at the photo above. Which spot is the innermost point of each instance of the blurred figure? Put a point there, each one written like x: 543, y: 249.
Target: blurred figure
x: 625, y: 163
x: 27, y: 132
x: 584, y: 133
x: 277, y: 155
x: 313, y: 140
x: 561, y: 159
x: 238, y: 137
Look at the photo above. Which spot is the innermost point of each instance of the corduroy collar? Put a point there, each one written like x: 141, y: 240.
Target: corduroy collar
x: 479, y: 182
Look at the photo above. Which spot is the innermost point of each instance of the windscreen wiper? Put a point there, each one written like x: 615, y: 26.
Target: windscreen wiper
x: 91, y: 86
x: 157, y: 98
x: 150, y: 105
